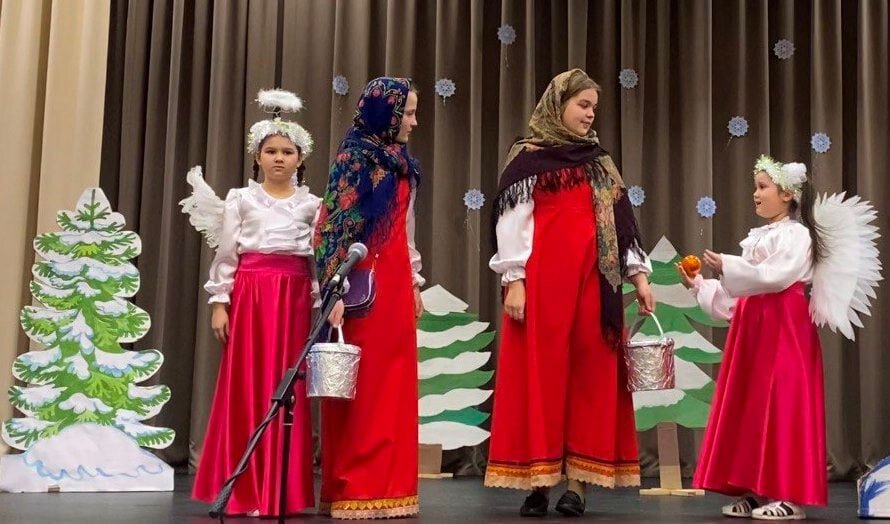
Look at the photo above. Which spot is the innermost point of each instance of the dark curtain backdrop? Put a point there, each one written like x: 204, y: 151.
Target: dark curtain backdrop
x: 182, y: 76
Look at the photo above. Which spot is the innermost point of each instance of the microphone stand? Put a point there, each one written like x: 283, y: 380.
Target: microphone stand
x: 282, y: 398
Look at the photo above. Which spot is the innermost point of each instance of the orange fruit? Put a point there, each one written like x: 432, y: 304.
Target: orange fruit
x: 691, y: 264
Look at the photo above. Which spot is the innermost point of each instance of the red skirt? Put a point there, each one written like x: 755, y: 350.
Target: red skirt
x: 369, y: 444
x: 766, y: 431
x: 561, y: 402
x: 271, y: 307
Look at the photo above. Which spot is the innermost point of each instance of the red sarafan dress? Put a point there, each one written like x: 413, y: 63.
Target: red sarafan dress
x: 561, y: 403
x: 370, y: 443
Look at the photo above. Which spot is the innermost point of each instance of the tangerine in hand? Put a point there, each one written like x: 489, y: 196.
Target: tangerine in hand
x: 691, y: 265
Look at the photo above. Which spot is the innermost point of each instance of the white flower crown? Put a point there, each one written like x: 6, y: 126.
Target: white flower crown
x: 789, y: 177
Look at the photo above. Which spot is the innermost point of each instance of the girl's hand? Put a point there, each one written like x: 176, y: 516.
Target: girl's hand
x: 219, y: 321
x: 335, y: 319
x: 685, y: 279
x: 418, y: 303
x: 645, y: 300
x: 514, y: 302
x: 714, y: 261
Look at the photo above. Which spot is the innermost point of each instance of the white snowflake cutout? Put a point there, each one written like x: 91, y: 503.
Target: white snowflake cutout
x: 783, y: 49
x: 445, y: 88
x: 737, y: 126
x: 820, y: 142
x: 506, y: 34
x: 636, y: 195
x: 706, y: 207
x: 474, y: 199
x: 628, y: 78
x: 341, y: 85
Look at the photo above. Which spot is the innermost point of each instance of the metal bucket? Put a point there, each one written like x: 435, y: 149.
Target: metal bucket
x: 332, y: 369
x: 650, y: 363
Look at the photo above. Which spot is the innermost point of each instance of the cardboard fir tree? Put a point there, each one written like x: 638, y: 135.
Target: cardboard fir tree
x: 83, y: 422
x: 450, y: 344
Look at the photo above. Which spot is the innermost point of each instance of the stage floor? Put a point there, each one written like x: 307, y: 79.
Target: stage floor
x: 449, y: 500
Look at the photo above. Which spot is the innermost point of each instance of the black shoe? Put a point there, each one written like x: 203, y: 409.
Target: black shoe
x: 535, y: 505
x: 570, y: 504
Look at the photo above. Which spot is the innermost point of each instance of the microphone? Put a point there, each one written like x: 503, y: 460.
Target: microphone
x: 357, y: 252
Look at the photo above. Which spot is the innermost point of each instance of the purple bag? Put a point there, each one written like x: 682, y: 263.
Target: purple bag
x: 362, y: 292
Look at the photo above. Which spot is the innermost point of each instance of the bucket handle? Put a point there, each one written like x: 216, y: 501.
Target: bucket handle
x: 340, y: 338
x: 635, y: 327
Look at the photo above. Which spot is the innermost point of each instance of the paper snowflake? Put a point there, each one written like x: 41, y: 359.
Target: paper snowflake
x: 445, y: 87
x: 636, y: 195
x: 628, y: 78
x: 506, y: 34
x: 783, y: 49
x: 738, y: 126
x: 474, y: 199
x: 821, y: 142
x: 706, y: 207
x: 341, y: 85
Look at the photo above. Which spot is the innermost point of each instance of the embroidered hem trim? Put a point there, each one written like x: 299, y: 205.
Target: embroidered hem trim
x: 372, y: 509
x: 523, y: 477
x: 548, y: 474
x: 603, y: 474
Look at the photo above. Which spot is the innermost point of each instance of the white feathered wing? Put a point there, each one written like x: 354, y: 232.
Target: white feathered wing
x: 204, y: 208
x: 845, y: 278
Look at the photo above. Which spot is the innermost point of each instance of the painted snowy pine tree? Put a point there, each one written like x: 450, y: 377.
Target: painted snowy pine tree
x: 450, y: 342
x: 83, y: 393
x: 689, y: 403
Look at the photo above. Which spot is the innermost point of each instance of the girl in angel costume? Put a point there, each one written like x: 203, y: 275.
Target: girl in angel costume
x: 262, y: 291
x: 765, y: 439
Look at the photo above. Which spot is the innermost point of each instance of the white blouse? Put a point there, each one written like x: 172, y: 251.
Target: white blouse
x: 774, y: 257
x: 413, y: 253
x: 256, y: 222
x: 515, y: 231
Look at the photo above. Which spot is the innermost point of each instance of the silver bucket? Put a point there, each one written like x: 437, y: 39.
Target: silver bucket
x: 332, y: 369
x: 650, y: 363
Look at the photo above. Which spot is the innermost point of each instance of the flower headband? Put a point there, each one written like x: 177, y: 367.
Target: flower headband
x: 789, y: 177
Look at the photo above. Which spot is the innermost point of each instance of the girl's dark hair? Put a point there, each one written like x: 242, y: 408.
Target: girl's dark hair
x: 805, y: 208
x: 301, y: 171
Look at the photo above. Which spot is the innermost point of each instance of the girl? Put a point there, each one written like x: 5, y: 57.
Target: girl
x: 369, y: 444
x: 566, y: 237
x: 261, y: 286
x: 765, y: 439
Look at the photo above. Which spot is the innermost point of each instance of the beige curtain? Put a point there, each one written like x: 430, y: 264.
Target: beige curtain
x: 182, y: 77
x: 52, y: 62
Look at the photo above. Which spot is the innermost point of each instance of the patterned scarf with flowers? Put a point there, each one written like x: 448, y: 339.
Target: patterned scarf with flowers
x: 361, y: 194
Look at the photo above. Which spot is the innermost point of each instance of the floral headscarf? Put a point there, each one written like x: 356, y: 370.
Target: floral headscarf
x: 361, y: 194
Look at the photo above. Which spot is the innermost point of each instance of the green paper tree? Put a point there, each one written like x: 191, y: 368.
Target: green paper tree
x: 84, y: 375
x: 690, y: 402
x: 450, y: 342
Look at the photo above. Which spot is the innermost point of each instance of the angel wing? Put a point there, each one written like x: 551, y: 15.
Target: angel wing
x: 204, y: 208
x: 844, y: 280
